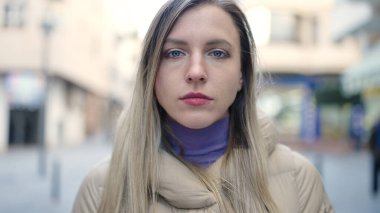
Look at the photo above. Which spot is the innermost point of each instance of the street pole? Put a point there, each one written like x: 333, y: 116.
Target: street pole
x: 56, y: 181
x: 47, y: 26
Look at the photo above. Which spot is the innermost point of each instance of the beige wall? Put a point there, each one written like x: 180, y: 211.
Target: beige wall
x: 76, y: 44
x: 305, y: 6
x: 323, y: 56
x: 65, y: 121
x: 125, y: 64
x: 21, y: 48
x: 327, y: 59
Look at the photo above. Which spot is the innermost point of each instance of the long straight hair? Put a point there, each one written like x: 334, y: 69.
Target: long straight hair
x: 132, y: 181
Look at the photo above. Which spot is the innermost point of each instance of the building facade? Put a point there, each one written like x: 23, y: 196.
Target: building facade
x: 363, y: 78
x: 52, y: 54
x: 297, y: 48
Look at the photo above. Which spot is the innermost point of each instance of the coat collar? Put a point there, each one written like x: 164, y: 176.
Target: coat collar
x: 181, y: 188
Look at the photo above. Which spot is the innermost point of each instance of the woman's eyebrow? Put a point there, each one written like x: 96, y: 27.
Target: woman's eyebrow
x: 209, y: 43
x: 218, y: 42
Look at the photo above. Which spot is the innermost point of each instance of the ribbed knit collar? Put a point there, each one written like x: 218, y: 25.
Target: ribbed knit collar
x: 201, y: 147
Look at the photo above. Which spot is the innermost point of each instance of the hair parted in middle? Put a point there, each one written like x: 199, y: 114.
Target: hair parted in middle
x: 133, y: 175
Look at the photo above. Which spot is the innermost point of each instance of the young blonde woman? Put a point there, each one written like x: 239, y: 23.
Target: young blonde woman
x: 192, y: 140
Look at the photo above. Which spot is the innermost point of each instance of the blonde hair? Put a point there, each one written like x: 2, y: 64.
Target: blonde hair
x: 132, y: 181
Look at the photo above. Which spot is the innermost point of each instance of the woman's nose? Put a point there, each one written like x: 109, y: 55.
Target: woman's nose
x: 196, y: 71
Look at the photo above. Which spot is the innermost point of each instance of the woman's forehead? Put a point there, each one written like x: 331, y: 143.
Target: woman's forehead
x: 208, y: 22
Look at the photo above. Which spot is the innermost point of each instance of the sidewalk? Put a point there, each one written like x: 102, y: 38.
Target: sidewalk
x: 346, y: 174
x: 24, y: 190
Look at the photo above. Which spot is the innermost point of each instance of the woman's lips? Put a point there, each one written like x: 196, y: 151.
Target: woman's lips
x: 196, y: 99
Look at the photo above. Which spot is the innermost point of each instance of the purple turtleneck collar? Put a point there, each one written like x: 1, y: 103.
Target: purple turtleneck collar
x: 201, y: 147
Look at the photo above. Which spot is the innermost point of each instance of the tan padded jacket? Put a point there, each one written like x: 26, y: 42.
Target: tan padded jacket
x: 294, y: 183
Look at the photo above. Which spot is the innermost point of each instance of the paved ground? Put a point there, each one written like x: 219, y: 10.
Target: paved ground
x: 346, y: 176
x: 22, y: 189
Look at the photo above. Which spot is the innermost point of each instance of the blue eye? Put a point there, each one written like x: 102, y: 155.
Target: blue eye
x: 174, y: 54
x: 218, y: 54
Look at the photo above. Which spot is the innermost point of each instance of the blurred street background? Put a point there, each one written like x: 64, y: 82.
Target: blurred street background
x: 67, y: 70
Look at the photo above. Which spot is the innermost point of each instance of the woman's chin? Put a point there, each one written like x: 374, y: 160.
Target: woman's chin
x: 196, y: 123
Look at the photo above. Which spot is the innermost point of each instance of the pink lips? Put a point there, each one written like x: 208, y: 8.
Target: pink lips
x: 196, y: 99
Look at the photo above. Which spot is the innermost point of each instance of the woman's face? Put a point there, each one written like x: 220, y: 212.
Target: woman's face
x: 199, y: 74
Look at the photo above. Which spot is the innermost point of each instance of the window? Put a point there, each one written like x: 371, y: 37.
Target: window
x: 14, y: 14
x: 285, y: 27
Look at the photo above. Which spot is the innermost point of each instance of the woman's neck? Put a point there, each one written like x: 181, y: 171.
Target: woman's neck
x: 201, y: 147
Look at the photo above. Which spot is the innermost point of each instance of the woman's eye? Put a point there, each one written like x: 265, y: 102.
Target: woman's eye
x: 174, y: 54
x: 218, y: 54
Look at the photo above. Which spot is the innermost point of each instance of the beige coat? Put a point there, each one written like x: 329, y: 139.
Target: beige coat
x: 295, y: 186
